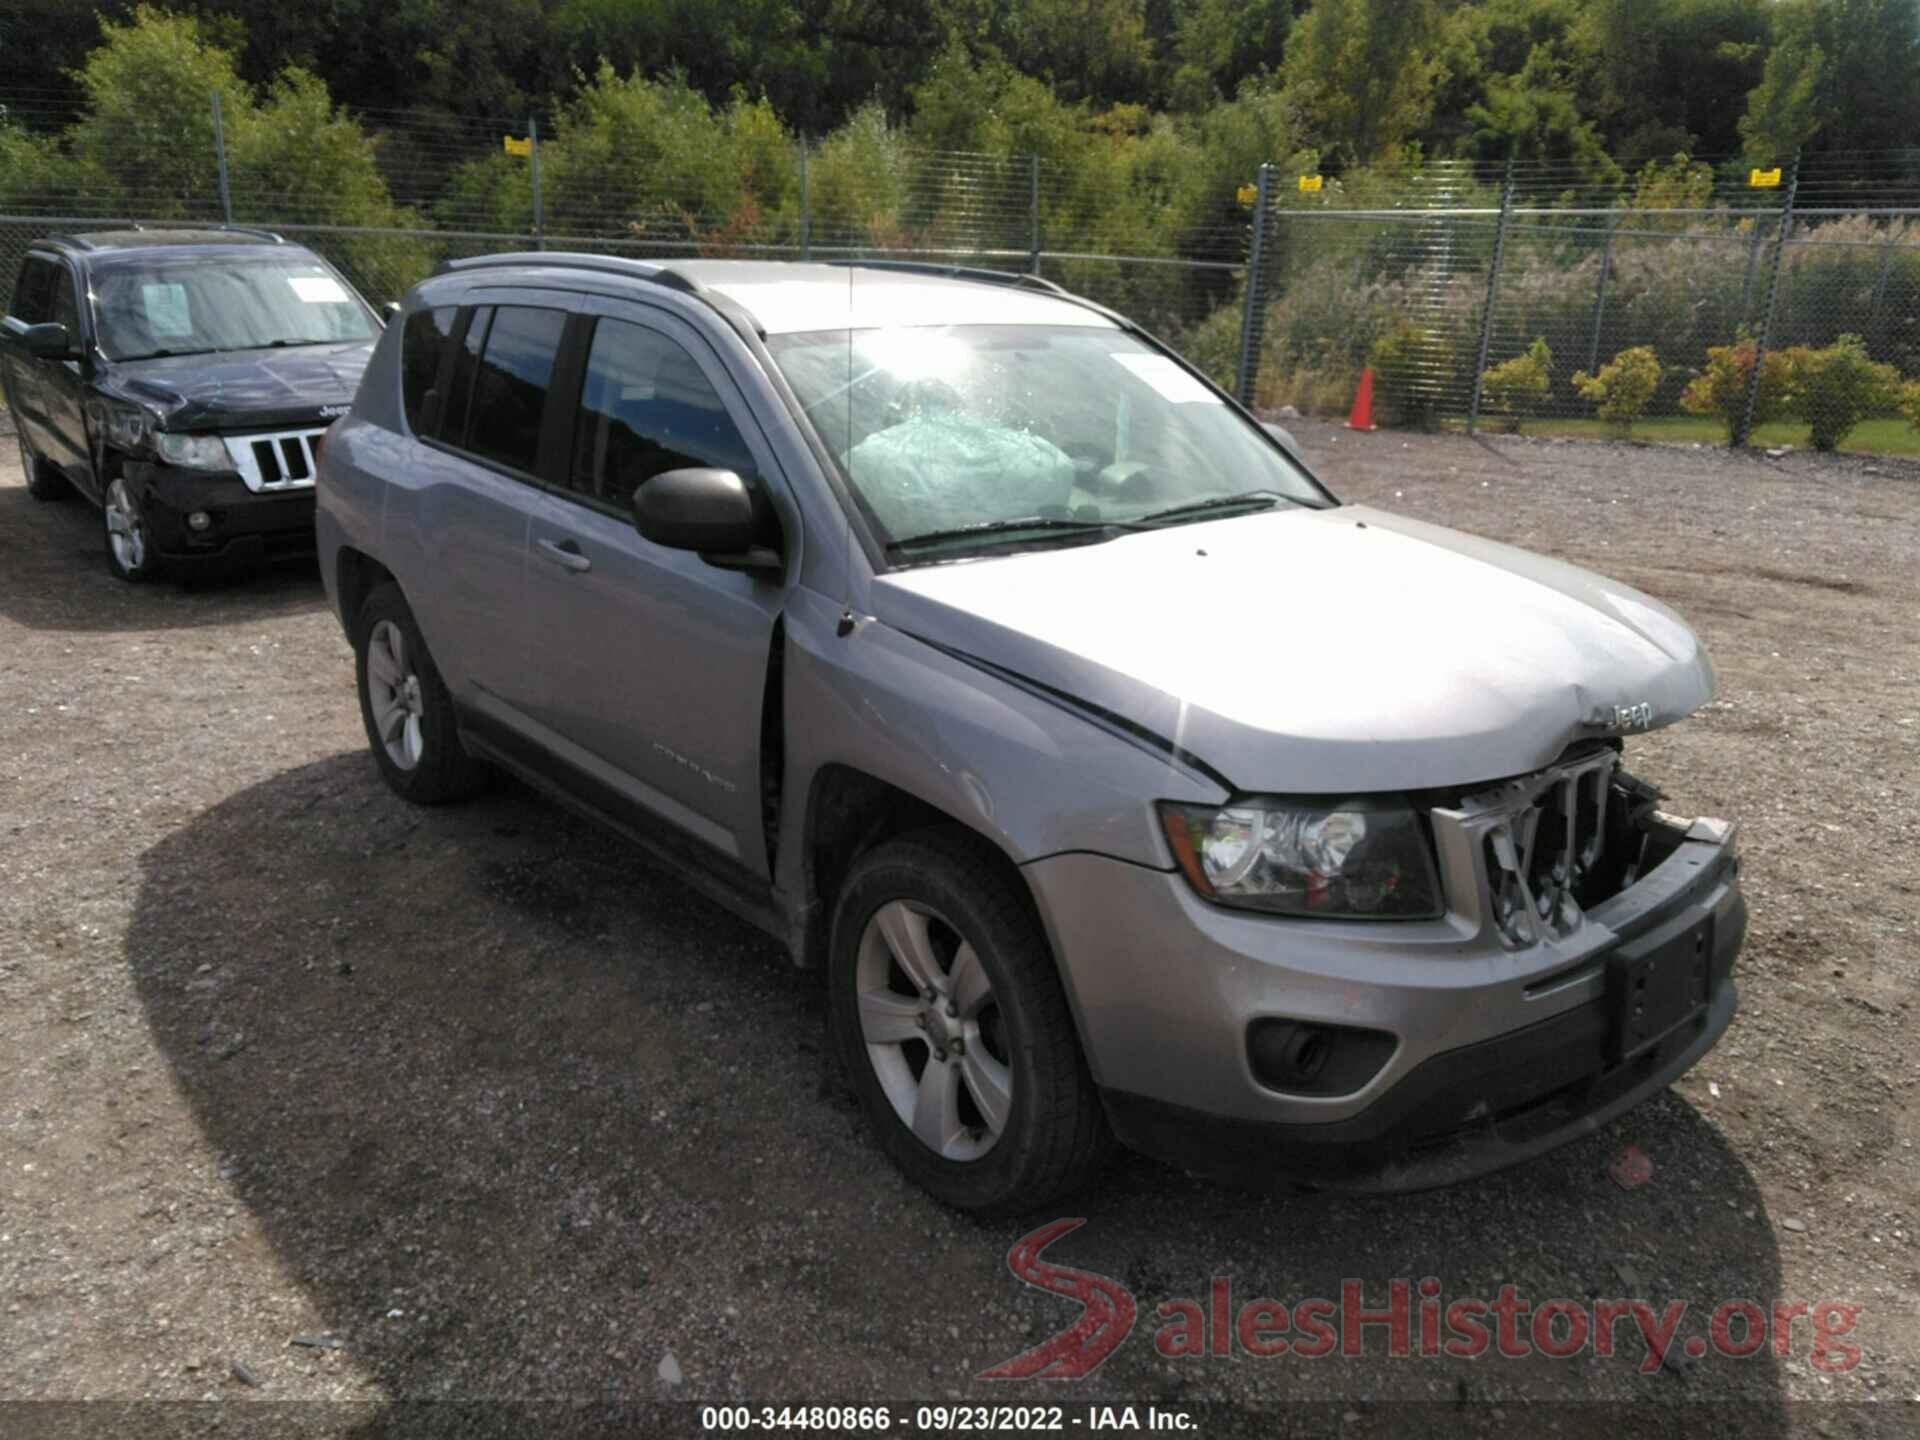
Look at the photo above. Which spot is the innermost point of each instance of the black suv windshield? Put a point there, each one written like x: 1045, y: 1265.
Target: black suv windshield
x: 952, y: 434
x: 186, y: 304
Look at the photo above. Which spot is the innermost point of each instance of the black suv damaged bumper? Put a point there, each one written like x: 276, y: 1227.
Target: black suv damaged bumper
x: 244, y: 526
x: 1484, y: 1106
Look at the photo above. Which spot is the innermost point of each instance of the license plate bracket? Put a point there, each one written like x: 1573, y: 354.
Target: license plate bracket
x: 1657, y: 984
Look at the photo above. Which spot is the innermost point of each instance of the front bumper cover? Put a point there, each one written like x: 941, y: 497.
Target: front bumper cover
x: 1500, y: 1057
x: 246, y: 525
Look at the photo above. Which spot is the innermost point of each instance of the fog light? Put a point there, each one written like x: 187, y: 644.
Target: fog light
x: 199, y: 520
x: 1304, y: 1059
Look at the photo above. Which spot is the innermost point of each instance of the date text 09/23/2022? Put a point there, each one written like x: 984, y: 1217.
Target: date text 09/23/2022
x: 946, y: 1419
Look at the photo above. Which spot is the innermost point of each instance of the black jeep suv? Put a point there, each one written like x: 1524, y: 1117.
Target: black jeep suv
x: 179, y: 379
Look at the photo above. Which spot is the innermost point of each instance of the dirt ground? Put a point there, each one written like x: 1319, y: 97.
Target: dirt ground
x: 308, y: 1095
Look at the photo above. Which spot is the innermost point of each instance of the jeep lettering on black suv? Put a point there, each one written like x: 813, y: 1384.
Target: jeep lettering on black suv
x: 1119, y: 779
x: 180, y: 379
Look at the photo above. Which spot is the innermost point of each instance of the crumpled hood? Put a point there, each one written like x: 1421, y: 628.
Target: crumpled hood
x: 1322, y: 651
x: 244, y: 388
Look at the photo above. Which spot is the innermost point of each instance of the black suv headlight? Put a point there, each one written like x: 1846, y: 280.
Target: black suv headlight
x: 1361, y: 858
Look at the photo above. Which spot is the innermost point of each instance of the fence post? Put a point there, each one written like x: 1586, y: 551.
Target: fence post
x: 1753, y: 263
x: 1493, y: 291
x: 533, y: 158
x: 220, y: 157
x: 1253, y: 317
x: 806, y: 204
x: 1600, y: 293
x: 1765, y: 337
x: 1876, y: 323
x: 1033, y: 214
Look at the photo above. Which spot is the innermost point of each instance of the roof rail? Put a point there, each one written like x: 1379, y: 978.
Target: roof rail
x: 78, y: 242
x: 274, y: 235
x: 1013, y: 278
x: 577, y: 260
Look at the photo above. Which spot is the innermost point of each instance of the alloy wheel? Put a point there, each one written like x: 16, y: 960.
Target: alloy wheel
x: 933, y: 1031
x: 126, y: 531
x: 393, y: 692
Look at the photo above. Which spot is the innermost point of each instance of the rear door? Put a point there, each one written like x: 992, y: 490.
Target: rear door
x: 460, y: 512
x: 650, y: 665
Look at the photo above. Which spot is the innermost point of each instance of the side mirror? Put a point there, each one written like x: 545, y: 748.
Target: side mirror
x: 49, y: 342
x: 712, y: 512
x: 389, y: 311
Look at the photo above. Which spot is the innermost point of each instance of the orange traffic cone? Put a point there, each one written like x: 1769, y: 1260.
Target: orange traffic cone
x: 1362, y: 416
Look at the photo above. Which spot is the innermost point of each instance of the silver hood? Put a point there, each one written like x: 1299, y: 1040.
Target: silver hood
x: 1321, y: 651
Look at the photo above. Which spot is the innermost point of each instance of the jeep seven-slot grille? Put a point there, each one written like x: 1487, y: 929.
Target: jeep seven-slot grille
x: 274, y: 462
x: 1540, y: 853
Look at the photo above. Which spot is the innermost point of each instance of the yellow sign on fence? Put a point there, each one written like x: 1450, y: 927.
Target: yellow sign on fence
x: 1310, y: 184
x: 516, y: 147
x: 1764, y: 179
x: 1247, y: 194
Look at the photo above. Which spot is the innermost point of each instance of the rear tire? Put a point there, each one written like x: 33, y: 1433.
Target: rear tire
x: 409, y: 716
x: 43, y: 481
x: 980, y: 1095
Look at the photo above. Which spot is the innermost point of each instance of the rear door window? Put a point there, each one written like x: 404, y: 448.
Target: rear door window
x: 511, y: 383
x: 423, y: 345
x: 63, y: 306
x: 466, y: 362
x: 646, y: 407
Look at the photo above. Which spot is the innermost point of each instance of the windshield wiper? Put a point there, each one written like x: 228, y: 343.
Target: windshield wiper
x: 998, y: 527
x: 163, y: 355
x: 1245, y: 500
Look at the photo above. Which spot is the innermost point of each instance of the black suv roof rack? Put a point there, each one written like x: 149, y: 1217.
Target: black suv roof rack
x: 578, y: 260
x: 107, y: 227
x: 1014, y: 278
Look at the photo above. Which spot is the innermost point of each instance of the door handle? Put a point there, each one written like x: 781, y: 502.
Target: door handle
x: 566, y: 554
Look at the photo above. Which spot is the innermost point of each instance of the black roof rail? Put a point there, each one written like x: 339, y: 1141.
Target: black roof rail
x: 274, y: 235
x: 78, y: 242
x: 577, y: 260
x: 1015, y: 278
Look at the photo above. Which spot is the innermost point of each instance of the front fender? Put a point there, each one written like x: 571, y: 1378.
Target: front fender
x: 1028, y: 773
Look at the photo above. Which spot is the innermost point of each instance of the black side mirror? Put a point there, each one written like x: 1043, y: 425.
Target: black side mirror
x: 49, y: 342
x: 712, y: 512
x: 389, y: 311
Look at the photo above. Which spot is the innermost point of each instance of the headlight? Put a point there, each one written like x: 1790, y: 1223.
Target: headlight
x: 126, y: 427
x: 1356, y: 859
x: 193, y: 452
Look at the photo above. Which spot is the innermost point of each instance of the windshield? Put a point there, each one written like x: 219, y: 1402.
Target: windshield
x: 189, y: 305
x: 977, y: 427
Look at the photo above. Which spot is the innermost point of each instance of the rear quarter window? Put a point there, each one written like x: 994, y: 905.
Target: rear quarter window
x: 423, y: 347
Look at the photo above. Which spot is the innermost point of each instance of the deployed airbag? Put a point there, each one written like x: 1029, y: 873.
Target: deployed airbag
x: 939, y: 472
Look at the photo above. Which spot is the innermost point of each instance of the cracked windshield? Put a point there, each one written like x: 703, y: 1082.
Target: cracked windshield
x: 963, y: 436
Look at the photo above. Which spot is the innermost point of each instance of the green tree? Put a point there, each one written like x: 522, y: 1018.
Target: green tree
x: 1842, y: 75
x: 1217, y: 44
x: 1361, y: 73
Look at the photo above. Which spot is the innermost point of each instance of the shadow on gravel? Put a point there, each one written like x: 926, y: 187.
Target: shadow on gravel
x: 53, y: 576
x: 522, y: 1117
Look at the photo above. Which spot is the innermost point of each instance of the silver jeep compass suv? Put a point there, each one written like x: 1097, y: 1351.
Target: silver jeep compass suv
x: 1121, y: 781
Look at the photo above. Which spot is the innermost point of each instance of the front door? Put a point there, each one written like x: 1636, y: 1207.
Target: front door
x: 648, y: 663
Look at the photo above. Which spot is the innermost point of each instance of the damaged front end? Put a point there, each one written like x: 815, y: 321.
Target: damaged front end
x: 1540, y: 853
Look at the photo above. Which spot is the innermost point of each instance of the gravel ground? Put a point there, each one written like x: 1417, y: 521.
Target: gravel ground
x: 488, y: 1109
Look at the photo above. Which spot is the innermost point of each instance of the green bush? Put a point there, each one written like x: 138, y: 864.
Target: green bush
x: 1518, y: 387
x: 1721, y: 389
x: 1623, y: 387
x: 1909, y: 403
x: 1412, y: 366
x: 1835, y: 388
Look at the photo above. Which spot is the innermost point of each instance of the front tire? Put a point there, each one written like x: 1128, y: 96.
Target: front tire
x: 43, y: 481
x: 129, y: 542
x: 948, y: 1012
x: 405, y: 706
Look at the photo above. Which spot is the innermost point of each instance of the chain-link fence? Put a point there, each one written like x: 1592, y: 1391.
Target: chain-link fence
x: 1686, y: 298
x: 1705, y: 298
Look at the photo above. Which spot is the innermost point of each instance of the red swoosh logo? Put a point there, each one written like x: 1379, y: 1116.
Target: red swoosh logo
x: 1105, y: 1321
